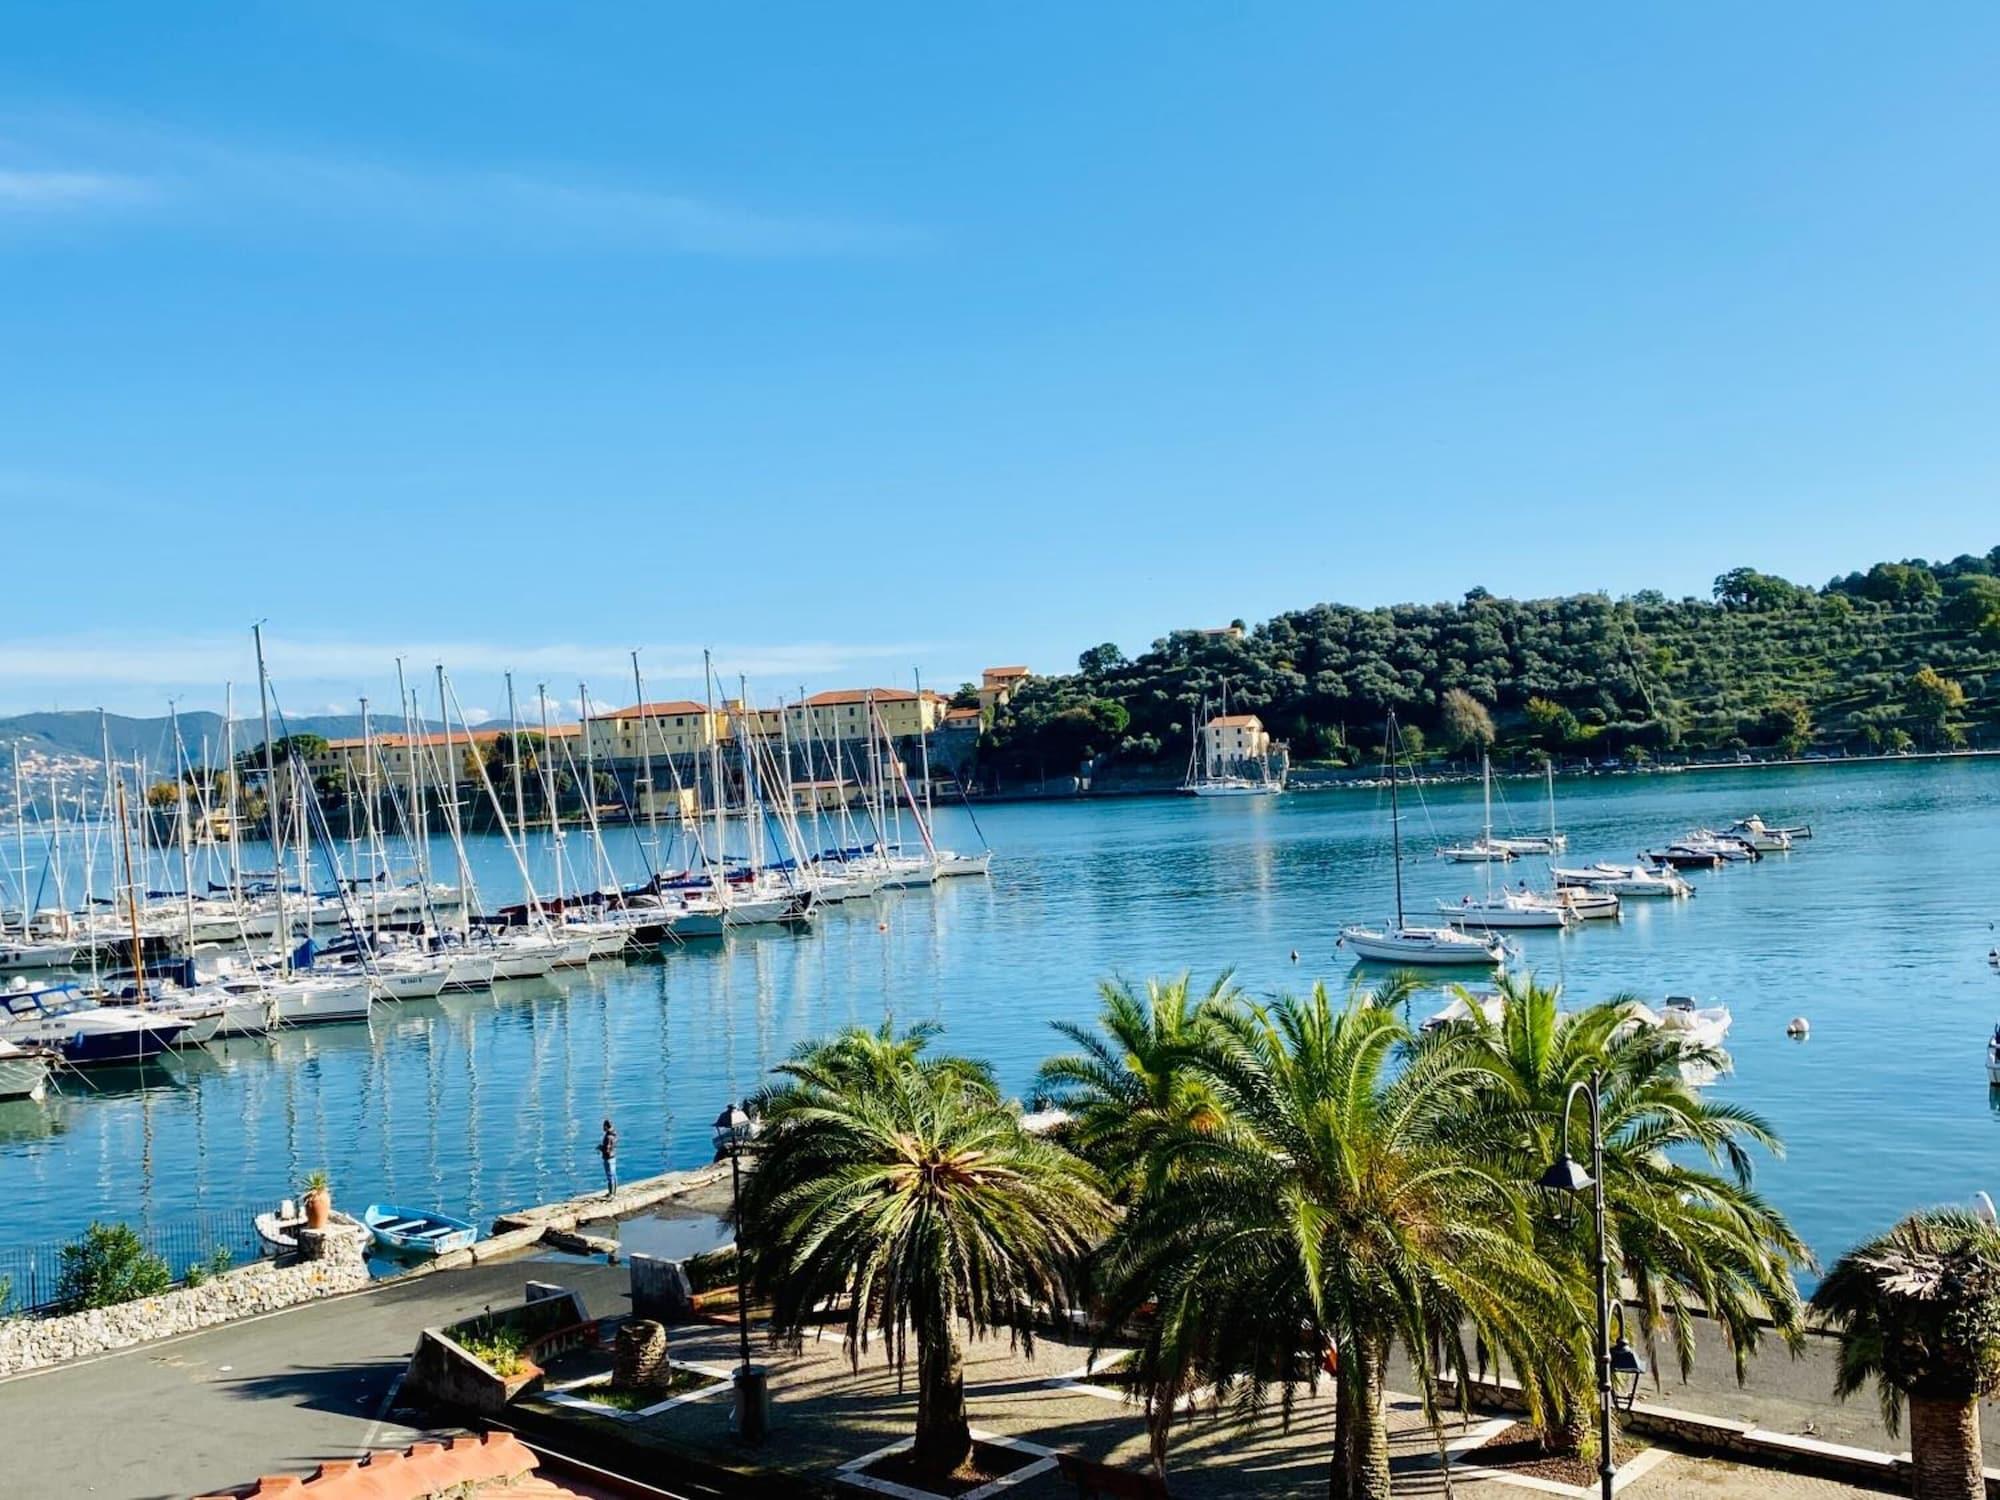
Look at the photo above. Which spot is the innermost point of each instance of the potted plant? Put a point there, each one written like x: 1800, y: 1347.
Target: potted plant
x: 318, y: 1201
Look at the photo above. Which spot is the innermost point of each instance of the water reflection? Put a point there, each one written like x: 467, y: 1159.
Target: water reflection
x: 476, y: 1103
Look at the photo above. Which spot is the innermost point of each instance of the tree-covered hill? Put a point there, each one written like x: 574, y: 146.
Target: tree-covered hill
x: 1903, y: 654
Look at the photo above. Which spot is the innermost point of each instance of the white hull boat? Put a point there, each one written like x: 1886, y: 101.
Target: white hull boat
x: 1421, y: 945
x: 1488, y: 1006
x: 1507, y: 909
x: 1478, y: 852
x: 1234, y: 786
x: 1625, y: 880
x: 1591, y: 905
x: 27, y: 957
x: 24, y: 1071
x: 950, y: 864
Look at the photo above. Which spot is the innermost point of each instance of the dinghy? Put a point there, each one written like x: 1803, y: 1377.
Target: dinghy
x: 415, y: 1231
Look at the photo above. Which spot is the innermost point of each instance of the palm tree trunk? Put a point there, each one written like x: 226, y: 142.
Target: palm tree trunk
x: 1364, y: 1450
x: 944, y: 1437
x: 1340, y: 1485
x: 1945, y: 1458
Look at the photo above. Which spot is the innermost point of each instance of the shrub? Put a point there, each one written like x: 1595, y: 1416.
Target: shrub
x: 109, y: 1265
x: 502, y: 1346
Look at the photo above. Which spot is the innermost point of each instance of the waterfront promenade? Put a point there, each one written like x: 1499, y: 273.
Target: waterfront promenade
x: 282, y: 1393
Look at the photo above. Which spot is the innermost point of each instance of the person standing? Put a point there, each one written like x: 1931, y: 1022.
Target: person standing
x: 608, y: 1149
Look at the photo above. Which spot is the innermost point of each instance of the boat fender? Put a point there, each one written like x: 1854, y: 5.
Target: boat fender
x: 881, y: 926
x: 1797, y: 1028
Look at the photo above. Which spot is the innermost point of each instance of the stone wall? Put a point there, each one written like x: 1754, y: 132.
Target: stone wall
x: 29, y: 1343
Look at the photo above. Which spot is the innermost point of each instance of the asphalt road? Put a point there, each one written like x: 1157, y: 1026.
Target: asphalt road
x: 273, y: 1395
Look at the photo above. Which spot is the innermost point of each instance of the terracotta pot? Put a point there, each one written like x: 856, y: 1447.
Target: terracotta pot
x: 319, y: 1208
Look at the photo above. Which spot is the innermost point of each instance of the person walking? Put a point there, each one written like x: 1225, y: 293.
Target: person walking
x: 608, y: 1149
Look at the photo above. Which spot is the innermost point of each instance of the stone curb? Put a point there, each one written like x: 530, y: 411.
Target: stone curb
x: 1745, y: 1442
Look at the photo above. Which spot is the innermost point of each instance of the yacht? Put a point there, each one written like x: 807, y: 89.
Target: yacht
x: 1515, y: 908
x: 1624, y: 880
x: 81, y: 1032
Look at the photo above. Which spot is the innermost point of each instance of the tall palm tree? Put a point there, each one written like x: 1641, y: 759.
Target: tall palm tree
x: 903, y: 1183
x: 1918, y: 1311
x: 1686, y: 1229
x: 1331, y: 1214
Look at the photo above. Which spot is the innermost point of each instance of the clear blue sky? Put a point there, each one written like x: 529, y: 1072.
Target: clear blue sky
x: 849, y: 339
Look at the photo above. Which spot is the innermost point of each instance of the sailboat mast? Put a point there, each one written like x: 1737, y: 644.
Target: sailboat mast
x: 549, y: 791
x: 646, y: 764
x: 1395, y: 817
x: 717, y: 871
x: 271, y: 800
x: 923, y: 741
x: 21, y: 838
x: 181, y: 815
x: 448, y: 788
x: 514, y: 748
x: 132, y: 896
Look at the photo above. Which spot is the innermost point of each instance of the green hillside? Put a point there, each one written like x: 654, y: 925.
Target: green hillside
x: 1901, y: 655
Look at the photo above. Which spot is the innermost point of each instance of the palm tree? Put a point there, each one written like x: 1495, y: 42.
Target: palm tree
x: 1692, y: 1240
x: 903, y: 1185
x: 1129, y: 1091
x: 1329, y: 1215
x: 1127, y: 1087
x: 1918, y: 1311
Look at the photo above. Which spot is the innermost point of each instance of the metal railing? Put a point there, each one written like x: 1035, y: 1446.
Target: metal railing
x: 31, y: 1275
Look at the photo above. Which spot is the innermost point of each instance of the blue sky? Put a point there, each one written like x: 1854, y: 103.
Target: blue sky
x: 852, y: 339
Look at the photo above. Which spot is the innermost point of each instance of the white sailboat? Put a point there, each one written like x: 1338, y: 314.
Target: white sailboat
x: 1402, y: 943
x: 1516, y: 908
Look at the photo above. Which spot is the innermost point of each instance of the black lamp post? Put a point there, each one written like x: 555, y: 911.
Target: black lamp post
x: 1566, y: 1176
x: 733, y: 1129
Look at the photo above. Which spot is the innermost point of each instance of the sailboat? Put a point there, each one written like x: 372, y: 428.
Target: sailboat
x: 1519, y: 907
x: 1403, y: 943
x: 1203, y: 780
x: 1554, y: 841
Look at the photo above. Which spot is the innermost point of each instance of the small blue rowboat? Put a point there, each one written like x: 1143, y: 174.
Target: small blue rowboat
x: 416, y: 1231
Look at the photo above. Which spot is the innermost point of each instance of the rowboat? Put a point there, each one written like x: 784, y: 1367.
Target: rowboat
x: 416, y: 1231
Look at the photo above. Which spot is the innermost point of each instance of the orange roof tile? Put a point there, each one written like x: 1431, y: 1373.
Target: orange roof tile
x: 491, y: 1464
x: 1235, y: 721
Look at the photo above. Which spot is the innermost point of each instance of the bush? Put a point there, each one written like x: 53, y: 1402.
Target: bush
x: 109, y: 1265
x: 502, y: 1347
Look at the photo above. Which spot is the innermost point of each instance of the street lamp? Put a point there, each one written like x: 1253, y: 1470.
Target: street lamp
x: 1626, y: 1365
x: 1566, y: 1176
x: 733, y: 1130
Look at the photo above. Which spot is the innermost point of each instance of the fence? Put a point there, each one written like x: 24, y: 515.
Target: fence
x: 32, y: 1274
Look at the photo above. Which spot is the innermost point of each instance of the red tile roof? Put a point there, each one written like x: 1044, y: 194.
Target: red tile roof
x: 1235, y: 721
x: 495, y: 1464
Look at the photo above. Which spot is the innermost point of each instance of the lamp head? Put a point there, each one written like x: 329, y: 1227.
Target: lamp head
x: 1566, y: 1175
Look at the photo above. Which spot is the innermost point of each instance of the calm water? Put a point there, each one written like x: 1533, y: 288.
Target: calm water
x: 1876, y: 930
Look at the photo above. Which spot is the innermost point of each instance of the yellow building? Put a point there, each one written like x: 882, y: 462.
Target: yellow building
x: 842, y: 714
x: 679, y: 727
x: 998, y: 684
x: 1229, y: 739
x: 394, y: 752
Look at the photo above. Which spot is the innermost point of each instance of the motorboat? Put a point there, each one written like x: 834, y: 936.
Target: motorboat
x: 1588, y: 904
x: 1993, y: 1058
x: 1401, y: 944
x: 1759, y: 835
x: 1487, y: 1005
x: 1682, y: 1019
x: 1516, y: 908
x: 415, y: 1231
x: 278, y: 1230
x: 64, y: 1020
x: 24, y: 1071
x: 1624, y: 880
x: 1754, y: 828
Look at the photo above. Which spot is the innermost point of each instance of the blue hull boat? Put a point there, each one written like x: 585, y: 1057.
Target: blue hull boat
x: 417, y: 1231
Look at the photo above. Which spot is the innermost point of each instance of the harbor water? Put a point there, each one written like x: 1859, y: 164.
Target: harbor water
x: 1877, y: 931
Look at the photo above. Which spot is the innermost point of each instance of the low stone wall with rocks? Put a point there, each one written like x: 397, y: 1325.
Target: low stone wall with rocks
x: 29, y: 1343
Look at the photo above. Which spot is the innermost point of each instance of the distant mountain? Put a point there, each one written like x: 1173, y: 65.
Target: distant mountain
x: 151, y: 740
